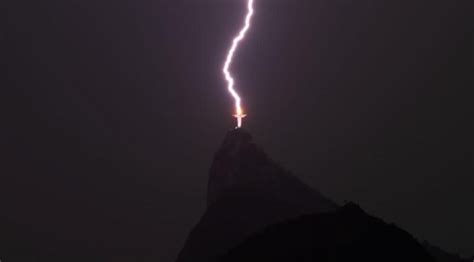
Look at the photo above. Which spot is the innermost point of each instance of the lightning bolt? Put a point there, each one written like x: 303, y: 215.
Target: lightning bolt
x: 239, y: 114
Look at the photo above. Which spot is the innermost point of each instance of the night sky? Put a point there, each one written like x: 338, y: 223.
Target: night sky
x: 114, y: 109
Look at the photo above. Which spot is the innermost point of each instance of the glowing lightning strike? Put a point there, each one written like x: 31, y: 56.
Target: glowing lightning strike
x: 239, y: 114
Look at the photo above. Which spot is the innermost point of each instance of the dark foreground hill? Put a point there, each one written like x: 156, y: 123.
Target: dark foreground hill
x: 443, y: 256
x: 348, y: 234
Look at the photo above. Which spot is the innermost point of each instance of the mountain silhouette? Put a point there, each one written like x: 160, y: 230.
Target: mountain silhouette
x: 258, y: 211
x: 246, y: 192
